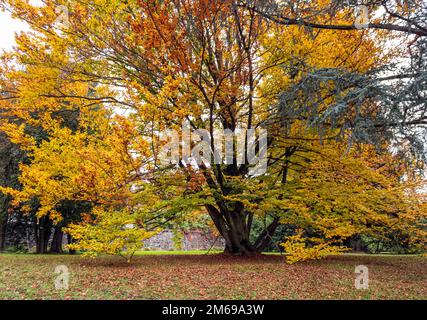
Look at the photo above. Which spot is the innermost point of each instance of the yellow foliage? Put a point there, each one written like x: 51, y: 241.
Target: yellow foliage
x: 296, y: 249
x: 109, y: 232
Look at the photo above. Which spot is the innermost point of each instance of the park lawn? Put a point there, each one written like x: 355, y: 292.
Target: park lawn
x: 213, y: 276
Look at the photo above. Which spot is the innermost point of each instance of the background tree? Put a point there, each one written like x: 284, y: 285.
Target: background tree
x: 9, y: 158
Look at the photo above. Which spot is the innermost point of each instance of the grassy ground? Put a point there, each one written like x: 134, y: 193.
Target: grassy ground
x: 153, y: 275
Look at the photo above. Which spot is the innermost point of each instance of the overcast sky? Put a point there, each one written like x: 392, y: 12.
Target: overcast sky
x: 8, y: 27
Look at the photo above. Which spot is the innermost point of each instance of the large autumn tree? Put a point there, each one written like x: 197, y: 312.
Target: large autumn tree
x: 137, y: 68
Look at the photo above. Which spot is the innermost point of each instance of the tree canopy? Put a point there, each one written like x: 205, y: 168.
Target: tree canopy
x: 343, y: 108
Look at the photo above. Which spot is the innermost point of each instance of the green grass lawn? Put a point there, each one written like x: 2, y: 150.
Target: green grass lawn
x: 195, y: 275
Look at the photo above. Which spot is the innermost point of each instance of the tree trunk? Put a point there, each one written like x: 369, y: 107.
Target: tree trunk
x: 232, y: 228
x: 235, y: 227
x: 28, y: 239
x: 56, y: 245
x: 3, y: 226
x: 4, y: 215
x: 42, y: 231
x: 69, y: 241
x: 266, y: 237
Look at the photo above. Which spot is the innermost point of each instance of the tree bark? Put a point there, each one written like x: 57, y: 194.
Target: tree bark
x: 3, y: 225
x: 56, y: 245
x: 265, y: 238
x: 42, y: 231
x: 3, y: 222
x: 235, y: 227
